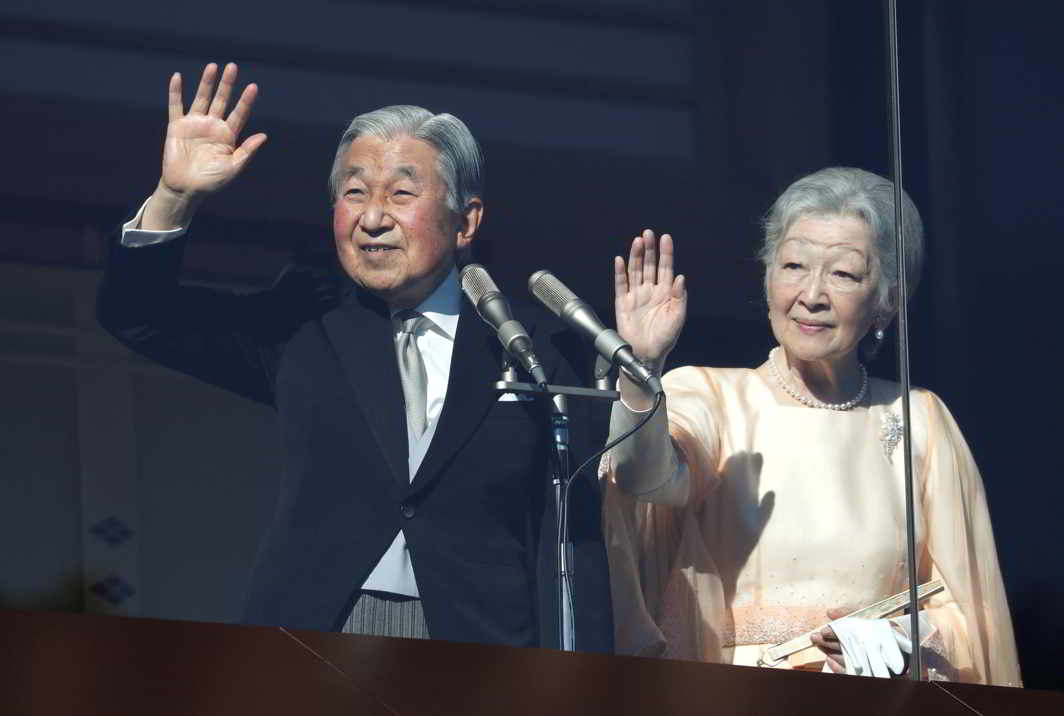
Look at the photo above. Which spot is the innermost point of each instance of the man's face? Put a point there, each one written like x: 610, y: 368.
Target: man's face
x: 394, y: 234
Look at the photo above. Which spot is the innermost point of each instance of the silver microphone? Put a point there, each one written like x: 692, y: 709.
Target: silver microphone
x: 557, y: 297
x: 492, y: 306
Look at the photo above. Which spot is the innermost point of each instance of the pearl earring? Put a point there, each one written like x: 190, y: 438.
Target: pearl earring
x: 879, y: 334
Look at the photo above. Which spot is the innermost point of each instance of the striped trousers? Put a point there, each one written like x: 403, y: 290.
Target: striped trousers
x: 381, y: 614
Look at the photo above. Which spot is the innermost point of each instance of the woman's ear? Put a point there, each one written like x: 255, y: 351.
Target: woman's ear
x: 892, y: 306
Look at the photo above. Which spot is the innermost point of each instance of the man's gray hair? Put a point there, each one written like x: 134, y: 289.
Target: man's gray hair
x: 853, y: 192
x: 459, y: 161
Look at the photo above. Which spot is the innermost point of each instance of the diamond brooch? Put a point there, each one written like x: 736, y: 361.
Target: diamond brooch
x: 890, y: 433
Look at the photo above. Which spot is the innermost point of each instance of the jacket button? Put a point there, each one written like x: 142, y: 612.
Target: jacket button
x: 407, y: 510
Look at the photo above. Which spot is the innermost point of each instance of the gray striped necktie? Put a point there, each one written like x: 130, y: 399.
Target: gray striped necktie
x: 412, y: 369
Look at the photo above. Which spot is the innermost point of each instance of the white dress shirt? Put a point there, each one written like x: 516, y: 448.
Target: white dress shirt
x: 394, y: 573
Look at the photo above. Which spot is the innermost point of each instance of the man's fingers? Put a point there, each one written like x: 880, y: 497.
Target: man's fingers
x: 239, y: 116
x: 174, y: 104
x: 837, y: 665
x: 225, y: 88
x: 203, y: 91
x: 243, y: 154
x: 679, y: 287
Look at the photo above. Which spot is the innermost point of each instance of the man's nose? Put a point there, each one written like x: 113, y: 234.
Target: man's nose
x: 374, y: 218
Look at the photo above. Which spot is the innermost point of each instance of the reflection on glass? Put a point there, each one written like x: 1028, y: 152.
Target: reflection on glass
x: 778, y: 503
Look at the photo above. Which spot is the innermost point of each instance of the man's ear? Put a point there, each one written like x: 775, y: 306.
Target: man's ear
x: 469, y: 222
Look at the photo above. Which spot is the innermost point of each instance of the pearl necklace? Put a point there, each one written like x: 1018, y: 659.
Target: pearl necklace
x: 813, y: 402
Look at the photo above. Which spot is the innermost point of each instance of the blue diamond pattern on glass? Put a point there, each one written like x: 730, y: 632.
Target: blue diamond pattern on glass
x: 113, y: 589
x: 112, y: 531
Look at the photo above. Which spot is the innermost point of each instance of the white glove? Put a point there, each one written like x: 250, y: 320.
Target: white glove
x: 871, y: 647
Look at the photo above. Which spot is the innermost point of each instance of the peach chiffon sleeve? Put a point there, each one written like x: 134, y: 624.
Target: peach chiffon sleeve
x: 974, y: 629
x: 664, y: 580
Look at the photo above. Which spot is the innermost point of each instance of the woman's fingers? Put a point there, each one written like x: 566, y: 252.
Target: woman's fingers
x: 823, y: 641
x: 665, y: 261
x: 828, y: 643
x: 620, y: 278
x: 836, y: 664
x: 648, y: 265
x: 650, y: 258
x: 635, y: 264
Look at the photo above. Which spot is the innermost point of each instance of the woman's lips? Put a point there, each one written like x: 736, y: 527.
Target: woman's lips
x: 811, y: 326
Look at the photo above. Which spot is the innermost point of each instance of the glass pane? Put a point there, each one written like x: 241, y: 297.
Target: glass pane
x: 976, y: 117
x: 795, y: 514
x: 687, y: 118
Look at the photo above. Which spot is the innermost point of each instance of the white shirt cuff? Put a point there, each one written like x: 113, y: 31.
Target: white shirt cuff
x: 134, y: 237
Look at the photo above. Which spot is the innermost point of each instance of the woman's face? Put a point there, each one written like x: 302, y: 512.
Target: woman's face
x: 822, y: 287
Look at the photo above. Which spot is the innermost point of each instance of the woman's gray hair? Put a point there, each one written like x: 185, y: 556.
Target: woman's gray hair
x: 853, y: 192
x: 459, y: 161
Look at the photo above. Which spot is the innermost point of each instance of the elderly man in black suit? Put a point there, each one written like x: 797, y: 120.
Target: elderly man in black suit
x: 416, y: 500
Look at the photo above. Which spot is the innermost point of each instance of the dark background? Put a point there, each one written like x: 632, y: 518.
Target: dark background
x: 598, y: 119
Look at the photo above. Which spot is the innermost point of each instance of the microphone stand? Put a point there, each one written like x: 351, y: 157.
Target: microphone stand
x: 559, y: 460
x: 560, y: 480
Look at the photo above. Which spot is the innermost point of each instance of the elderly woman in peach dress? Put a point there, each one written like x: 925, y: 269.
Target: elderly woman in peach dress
x: 762, y: 502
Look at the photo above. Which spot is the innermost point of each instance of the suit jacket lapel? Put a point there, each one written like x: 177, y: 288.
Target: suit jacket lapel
x: 362, y: 336
x: 475, y: 366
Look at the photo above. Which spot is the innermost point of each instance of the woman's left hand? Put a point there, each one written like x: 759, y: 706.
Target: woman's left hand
x: 864, y: 647
x: 828, y: 642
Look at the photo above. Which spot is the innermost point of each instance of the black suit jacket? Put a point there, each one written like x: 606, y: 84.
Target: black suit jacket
x: 478, y: 517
